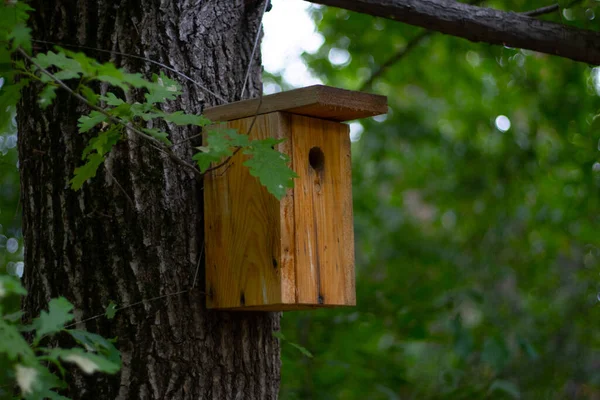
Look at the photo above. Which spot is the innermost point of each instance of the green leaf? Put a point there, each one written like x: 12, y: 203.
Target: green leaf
x: 64, y: 75
x: 145, y: 111
x: 161, y: 89
x: 21, y: 36
x: 122, y: 111
x: 505, y: 387
x: 10, y: 285
x: 109, y: 73
x: 270, y: 166
x: 14, y: 317
x: 10, y: 93
x: 13, y: 345
x: 87, y: 362
x: 218, y: 146
x: 47, y: 96
x: 158, y: 134
x: 89, y: 94
x: 96, y: 343
x: 111, y: 99
x: 236, y: 139
x: 495, y: 353
x: 279, y: 335
x: 302, y: 350
x: 71, y: 68
x: 104, y: 142
x: 86, y: 171
x: 528, y: 348
x: 181, y: 118
x: 136, y: 80
x: 59, y: 313
x: 111, y: 310
x: 28, y: 379
x: 87, y: 122
x: 35, y: 381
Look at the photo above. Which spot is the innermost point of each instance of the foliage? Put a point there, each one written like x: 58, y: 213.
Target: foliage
x: 112, y: 117
x: 29, y: 367
x: 267, y: 164
x: 477, y: 249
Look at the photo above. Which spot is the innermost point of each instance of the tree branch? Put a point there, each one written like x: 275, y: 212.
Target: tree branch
x: 543, y: 10
x: 415, y: 41
x: 479, y: 24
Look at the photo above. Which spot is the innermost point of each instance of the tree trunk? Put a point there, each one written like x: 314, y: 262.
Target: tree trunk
x: 135, y: 231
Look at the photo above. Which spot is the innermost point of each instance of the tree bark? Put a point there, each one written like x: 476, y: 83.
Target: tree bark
x: 135, y: 231
x: 479, y: 24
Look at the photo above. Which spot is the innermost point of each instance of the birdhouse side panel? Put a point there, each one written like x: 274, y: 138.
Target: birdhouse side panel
x: 243, y: 228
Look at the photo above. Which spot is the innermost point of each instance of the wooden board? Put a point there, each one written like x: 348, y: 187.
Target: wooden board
x: 323, y: 212
x: 314, y: 101
x: 245, y: 232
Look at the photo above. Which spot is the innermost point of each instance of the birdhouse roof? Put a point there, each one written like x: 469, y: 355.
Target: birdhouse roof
x: 318, y: 101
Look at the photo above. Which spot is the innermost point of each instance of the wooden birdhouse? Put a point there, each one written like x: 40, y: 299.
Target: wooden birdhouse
x: 298, y: 253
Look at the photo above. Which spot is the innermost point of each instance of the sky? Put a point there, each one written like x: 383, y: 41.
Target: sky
x: 289, y: 31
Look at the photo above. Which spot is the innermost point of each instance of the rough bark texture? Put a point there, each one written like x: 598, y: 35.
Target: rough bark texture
x: 95, y: 245
x: 480, y: 24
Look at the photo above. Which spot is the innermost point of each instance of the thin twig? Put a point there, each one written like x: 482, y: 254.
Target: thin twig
x: 197, y: 267
x: 114, y: 119
x: 17, y: 209
x: 187, y: 139
x: 219, y: 165
x: 238, y: 148
x: 549, y: 9
x: 119, y: 185
x: 425, y: 34
x: 267, y: 2
x: 181, y: 74
x: 128, y: 306
x: 396, y: 58
x: 260, y: 101
x: 542, y: 10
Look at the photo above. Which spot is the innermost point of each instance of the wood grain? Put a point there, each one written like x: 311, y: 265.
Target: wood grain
x: 323, y: 213
x: 266, y: 255
x: 315, y: 101
x: 243, y: 231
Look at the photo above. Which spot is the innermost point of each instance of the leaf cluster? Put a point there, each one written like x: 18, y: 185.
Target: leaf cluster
x: 112, y: 117
x: 14, y: 34
x: 26, y: 366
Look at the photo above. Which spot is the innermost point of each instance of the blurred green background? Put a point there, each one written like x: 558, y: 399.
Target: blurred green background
x: 11, y: 238
x: 477, y: 215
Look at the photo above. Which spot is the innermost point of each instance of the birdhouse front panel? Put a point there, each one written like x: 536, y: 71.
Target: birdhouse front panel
x: 322, y: 197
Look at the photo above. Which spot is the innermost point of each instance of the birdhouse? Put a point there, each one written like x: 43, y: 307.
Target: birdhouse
x: 269, y: 255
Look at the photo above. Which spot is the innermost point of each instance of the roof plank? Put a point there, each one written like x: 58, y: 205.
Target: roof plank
x: 319, y: 101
